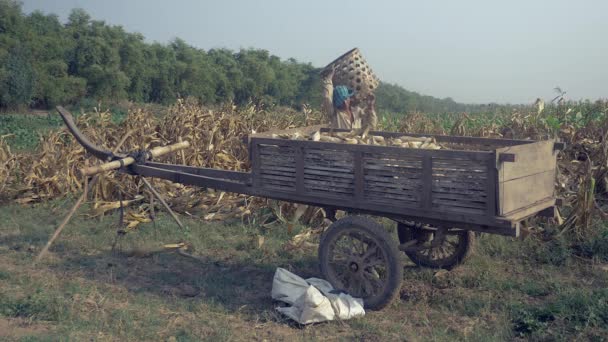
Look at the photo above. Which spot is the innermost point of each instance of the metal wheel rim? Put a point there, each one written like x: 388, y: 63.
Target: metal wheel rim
x: 357, y: 264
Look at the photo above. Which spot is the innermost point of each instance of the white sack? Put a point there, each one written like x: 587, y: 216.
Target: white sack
x: 312, y: 300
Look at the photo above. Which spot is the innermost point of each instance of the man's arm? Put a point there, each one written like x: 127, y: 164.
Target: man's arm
x: 328, y: 92
x: 369, y: 119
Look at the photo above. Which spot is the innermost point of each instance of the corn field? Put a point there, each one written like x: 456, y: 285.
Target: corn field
x: 216, y: 137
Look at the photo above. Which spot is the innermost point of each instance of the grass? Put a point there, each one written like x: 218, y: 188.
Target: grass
x: 85, y: 290
x: 25, y: 129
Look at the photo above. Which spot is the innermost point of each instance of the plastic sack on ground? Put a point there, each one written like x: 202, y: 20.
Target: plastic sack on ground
x: 313, y: 300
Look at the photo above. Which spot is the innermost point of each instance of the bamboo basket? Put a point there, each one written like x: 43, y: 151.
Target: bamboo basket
x: 353, y: 71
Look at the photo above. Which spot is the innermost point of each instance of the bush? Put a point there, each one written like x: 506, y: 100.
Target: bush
x: 38, y: 305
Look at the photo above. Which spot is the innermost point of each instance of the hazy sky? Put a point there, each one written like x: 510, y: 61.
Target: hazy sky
x: 471, y: 50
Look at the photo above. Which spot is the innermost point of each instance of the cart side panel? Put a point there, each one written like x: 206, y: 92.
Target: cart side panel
x: 393, y: 179
x: 329, y: 172
x: 358, y: 175
x: 529, y: 179
x: 461, y: 185
x: 277, y: 168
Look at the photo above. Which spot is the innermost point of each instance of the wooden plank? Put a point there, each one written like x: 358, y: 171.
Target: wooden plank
x: 462, y: 210
x: 281, y: 159
x: 395, y: 166
x: 399, y: 186
x: 459, y: 174
x: 278, y: 173
x: 323, y: 190
x: 391, y: 172
x: 456, y: 218
x: 392, y: 181
x: 392, y: 191
x: 278, y: 177
x: 530, y: 159
x: 272, y: 182
x: 459, y: 163
x: 531, y: 210
x: 427, y: 182
x: 300, y: 169
x: 255, y: 164
x: 278, y: 168
x: 311, y: 172
x: 461, y: 197
x: 416, y: 162
x: 373, y: 149
x: 458, y: 184
x: 521, y: 192
x: 277, y: 184
x: 388, y: 168
x: 389, y: 197
x: 329, y: 183
x: 491, y: 189
x: 461, y: 191
x: 359, y: 175
x: 462, y: 167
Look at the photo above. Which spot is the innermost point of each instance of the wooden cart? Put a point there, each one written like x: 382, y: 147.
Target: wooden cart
x: 437, y: 197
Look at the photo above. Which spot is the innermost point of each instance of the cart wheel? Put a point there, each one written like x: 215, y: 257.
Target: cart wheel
x: 455, y: 248
x: 358, y: 256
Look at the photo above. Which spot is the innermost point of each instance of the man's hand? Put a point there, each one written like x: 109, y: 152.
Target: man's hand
x: 371, y: 101
x: 329, y: 72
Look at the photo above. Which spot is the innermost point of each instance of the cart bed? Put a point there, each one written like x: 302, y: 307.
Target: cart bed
x: 487, y: 185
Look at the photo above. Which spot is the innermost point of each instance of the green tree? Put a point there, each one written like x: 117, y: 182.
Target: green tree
x: 18, y: 78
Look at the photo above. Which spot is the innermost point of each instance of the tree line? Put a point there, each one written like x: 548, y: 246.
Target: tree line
x: 44, y: 62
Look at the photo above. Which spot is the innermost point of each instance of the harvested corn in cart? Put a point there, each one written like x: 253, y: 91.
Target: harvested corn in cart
x: 355, y: 139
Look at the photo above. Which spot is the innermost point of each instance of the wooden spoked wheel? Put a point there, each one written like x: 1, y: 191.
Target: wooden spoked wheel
x: 452, y: 249
x: 358, y: 256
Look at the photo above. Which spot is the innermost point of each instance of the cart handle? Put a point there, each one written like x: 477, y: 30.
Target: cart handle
x: 116, y: 164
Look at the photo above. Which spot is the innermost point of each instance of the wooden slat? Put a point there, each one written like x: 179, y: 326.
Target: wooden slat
x: 396, y: 174
x: 461, y: 191
x: 389, y: 197
x: 311, y: 172
x: 451, y: 210
x: 278, y: 168
x: 427, y: 182
x: 459, y: 204
x: 491, y: 189
x: 326, y: 168
x: 521, y: 192
x: 458, y: 184
x: 329, y: 183
x: 359, y: 175
x: 312, y: 189
x: 373, y: 149
x: 482, y: 199
x: 459, y: 174
x: 299, y: 169
x: 278, y: 177
x: 255, y: 164
x: 278, y: 173
x: 398, y: 192
x: 393, y: 180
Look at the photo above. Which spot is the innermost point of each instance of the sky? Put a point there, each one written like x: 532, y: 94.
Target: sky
x: 474, y: 51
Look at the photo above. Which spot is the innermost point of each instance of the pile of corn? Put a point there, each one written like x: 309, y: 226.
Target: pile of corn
x: 362, y: 139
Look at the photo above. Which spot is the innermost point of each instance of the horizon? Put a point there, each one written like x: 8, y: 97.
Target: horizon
x: 520, y: 55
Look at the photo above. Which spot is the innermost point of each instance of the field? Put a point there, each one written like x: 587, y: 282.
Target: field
x: 552, y: 285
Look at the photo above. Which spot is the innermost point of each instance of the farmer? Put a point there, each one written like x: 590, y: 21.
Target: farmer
x: 344, y: 109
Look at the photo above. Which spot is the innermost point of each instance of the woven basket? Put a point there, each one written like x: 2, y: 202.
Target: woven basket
x: 353, y: 71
